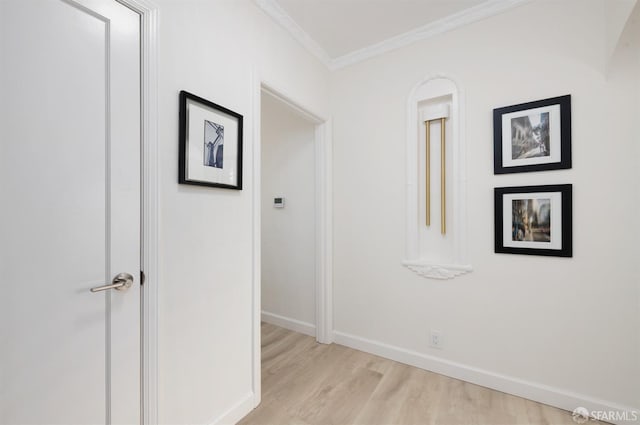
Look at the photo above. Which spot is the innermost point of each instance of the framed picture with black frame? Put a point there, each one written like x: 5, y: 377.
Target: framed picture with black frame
x: 533, y: 136
x: 210, y: 144
x: 534, y: 220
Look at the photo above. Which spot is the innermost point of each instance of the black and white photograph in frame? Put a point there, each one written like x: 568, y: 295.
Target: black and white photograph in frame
x: 534, y: 220
x: 210, y: 144
x: 213, y: 144
x: 533, y: 136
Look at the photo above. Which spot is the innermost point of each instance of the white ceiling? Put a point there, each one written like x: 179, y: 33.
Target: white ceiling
x: 342, y: 32
x: 344, y: 26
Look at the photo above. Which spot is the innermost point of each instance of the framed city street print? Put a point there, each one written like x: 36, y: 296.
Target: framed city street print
x: 533, y: 136
x: 534, y: 220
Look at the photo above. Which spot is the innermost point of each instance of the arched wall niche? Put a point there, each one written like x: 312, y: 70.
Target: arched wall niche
x: 435, y: 249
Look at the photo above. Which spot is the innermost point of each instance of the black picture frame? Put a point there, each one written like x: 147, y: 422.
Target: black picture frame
x: 210, y: 138
x: 514, y: 139
x: 529, y: 230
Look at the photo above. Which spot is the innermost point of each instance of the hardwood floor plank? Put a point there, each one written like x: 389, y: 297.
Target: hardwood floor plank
x: 327, y: 405
x: 389, y: 399
x: 306, y: 383
x: 272, y: 412
x: 424, y: 393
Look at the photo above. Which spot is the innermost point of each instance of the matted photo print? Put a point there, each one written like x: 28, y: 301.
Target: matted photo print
x: 534, y: 220
x: 210, y: 144
x: 533, y: 136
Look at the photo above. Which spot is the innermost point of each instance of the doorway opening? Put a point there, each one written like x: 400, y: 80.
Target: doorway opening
x: 288, y: 217
x: 292, y: 220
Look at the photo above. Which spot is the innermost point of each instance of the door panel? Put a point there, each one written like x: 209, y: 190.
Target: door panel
x: 70, y: 216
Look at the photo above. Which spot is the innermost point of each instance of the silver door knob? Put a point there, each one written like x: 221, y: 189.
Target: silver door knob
x: 121, y: 282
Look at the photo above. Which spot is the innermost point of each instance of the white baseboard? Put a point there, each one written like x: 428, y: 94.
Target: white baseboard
x: 239, y: 410
x: 288, y: 323
x: 545, y: 394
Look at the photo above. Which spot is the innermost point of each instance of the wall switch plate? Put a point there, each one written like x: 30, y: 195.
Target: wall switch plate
x: 436, y: 339
x: 278, y: 202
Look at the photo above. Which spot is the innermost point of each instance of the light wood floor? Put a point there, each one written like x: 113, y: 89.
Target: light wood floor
x: 306, y: 383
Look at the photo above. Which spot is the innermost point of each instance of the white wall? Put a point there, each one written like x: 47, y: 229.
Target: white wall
x: 288, y: 234
x: 570, y: 324
x: 211, y: 48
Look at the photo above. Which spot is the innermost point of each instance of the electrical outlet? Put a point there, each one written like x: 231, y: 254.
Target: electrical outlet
x: 436, y: 339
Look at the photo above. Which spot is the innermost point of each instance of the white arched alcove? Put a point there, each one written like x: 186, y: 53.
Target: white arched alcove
x: 430, y: 252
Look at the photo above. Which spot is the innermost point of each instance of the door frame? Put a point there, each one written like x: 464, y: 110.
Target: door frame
x: 148, y: 12
x: 323, y: 225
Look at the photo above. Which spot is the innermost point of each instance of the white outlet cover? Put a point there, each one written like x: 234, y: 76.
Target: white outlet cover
x: 436, y: 339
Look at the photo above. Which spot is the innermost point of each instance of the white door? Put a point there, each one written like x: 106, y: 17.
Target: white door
x: 69, y: 212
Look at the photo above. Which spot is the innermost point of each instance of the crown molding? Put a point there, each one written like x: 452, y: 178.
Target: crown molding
x: 278, y: 14
x: 482, y: 11
x: 457, y: 20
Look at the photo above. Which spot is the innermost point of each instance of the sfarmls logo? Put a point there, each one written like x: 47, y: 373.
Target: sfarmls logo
x: 582, y: 415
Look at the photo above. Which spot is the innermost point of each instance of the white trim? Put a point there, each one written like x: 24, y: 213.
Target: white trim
x: 324, y: 233
x: 324, y: 230
x: 449, y: 23
x: 553, y: 396
x: 237, y: 412
x: 256, y: 267
x: 277, y: 13
x: 300, y: 110
x: 148, y: 12
x: 289, y: 323
x: 465, y: 17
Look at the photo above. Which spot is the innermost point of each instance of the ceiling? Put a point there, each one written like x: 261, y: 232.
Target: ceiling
x: 341, y: 32
x: 344, y: 26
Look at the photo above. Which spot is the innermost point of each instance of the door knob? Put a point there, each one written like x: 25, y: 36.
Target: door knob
x: 121, y: 282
